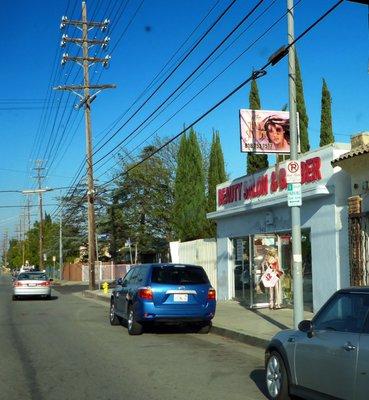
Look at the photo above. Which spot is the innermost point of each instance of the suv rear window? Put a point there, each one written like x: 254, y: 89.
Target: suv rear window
x: 179, y: 275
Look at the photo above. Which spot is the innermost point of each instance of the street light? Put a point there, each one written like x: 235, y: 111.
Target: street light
x: 33, y: 191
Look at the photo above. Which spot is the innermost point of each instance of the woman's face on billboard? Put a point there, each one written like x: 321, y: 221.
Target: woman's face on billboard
x: 276, y: 134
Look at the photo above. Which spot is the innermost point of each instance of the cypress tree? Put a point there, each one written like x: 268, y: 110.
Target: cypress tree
x: 189, y: 190
x: 255, y: 162
x: 216, y: 175
x: 180, y: 187
x: 301, y: 109
x: 326, y: 130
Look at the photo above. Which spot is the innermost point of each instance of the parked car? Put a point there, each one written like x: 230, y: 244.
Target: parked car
x: 327, y: 357
x: 32, y: 284
x: 163, y: 293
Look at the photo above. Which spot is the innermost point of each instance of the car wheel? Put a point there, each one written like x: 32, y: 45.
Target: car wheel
x: 113, y: 318
x: 205, y: 328
x: 134, y: 327
x: 276, y: 378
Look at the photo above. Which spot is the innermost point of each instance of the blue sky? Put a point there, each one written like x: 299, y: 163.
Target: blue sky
x: 32, y: 127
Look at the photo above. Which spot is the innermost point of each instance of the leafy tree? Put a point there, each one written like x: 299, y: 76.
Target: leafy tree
x: 216, y: 175
x: 31, y: 244
x: 189, y: 190
x: 326, y: 130
x: 14, y: 253
x: 301, y: 109
x: 141, y: 208
x: 255, y: 162
x: 74, y: 219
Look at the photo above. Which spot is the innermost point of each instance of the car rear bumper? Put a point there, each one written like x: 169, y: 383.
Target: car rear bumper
x: 147, y: 311
x: 32, y: 291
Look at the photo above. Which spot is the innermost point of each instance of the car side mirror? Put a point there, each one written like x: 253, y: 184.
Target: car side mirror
x: 306, y: 326
x: 51, y: 279
x: 119, y: 282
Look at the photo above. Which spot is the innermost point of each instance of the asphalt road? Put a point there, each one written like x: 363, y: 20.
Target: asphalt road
x: 65, y: 348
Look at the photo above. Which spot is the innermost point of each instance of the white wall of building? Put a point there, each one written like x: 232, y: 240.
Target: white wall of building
x: 201, y: 252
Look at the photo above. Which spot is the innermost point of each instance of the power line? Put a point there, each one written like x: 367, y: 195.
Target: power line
x: 170, y: 74
x: 35, y: 205
x: 60, y: 141
x: 82, y: 163
x: 254, y: 75
x: 208, y: 84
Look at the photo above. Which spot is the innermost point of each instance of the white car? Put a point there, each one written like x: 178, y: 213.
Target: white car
x: 32, y: 284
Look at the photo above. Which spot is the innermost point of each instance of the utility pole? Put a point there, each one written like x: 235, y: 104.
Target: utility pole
x: 85, y: 62
x: 5, y: 249
x: 39, y: 177
x: 61, y: 240
x: 23, y: 236
x: 28, y: 224
x: 28, y: 213
x: 298, y: 299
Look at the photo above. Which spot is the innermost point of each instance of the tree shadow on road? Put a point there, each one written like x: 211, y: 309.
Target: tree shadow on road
x: 258, y: 376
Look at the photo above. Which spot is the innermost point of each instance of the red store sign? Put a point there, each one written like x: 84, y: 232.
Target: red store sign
x: 265, y: 184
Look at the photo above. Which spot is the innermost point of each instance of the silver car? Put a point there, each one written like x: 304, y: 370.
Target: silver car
x: 328, y: 357
x: 32, y: 284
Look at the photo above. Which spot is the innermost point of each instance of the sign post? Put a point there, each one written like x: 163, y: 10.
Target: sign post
x: 298, y: 300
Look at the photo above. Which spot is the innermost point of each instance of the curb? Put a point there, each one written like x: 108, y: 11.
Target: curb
x: 97, y: 296
x: 217, y: 330
x: 240, y: 337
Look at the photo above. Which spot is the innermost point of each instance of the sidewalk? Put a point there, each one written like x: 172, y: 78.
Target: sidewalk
x: 232, y: 320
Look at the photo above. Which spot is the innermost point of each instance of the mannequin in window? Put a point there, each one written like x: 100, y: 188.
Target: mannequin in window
x: 275, y: 292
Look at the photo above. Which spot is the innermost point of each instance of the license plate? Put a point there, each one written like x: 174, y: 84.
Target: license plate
x: 180, y: 297
x: 32, y: 284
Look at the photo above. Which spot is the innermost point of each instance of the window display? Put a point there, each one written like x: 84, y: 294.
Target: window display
x: 267, y: 280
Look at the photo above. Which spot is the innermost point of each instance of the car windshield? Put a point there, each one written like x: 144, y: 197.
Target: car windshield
x: 179, y: 275
x: 32, y: 277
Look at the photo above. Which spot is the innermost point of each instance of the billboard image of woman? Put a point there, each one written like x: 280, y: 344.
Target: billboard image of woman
x: 265, y: 131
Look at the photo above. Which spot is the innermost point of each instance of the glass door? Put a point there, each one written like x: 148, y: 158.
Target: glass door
x: 286, y: 264
x: 242, y: 269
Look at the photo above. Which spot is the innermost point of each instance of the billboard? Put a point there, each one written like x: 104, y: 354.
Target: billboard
x: 264, y: 131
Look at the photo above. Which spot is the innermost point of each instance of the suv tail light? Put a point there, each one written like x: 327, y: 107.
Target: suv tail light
x: 212, y: 294
x: 145, y: 293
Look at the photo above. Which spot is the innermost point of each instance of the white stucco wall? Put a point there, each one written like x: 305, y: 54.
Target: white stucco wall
x: 358, y: 168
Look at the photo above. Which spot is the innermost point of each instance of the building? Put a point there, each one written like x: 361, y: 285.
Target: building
x: 356, y: 164
x: 252, y: 217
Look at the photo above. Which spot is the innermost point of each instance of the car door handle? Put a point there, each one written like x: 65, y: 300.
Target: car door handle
x: 349, y: 346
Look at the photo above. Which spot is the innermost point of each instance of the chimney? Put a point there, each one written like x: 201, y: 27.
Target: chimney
x: 359, y: 140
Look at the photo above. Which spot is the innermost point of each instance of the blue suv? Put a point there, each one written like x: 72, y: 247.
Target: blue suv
x: 163, y: 293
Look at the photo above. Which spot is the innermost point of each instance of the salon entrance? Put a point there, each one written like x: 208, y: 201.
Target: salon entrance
x: 252, y: 257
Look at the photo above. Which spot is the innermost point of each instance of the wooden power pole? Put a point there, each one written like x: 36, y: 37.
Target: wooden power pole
x: 39, y: 178
x: 85, y: 61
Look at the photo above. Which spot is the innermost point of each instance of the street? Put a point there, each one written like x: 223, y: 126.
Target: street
x: 65, y: 348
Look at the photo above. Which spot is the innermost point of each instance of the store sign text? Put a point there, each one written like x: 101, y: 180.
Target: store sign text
x: 265, y: 184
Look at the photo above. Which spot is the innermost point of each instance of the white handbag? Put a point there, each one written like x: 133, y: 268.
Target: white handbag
x: 269, y: 278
